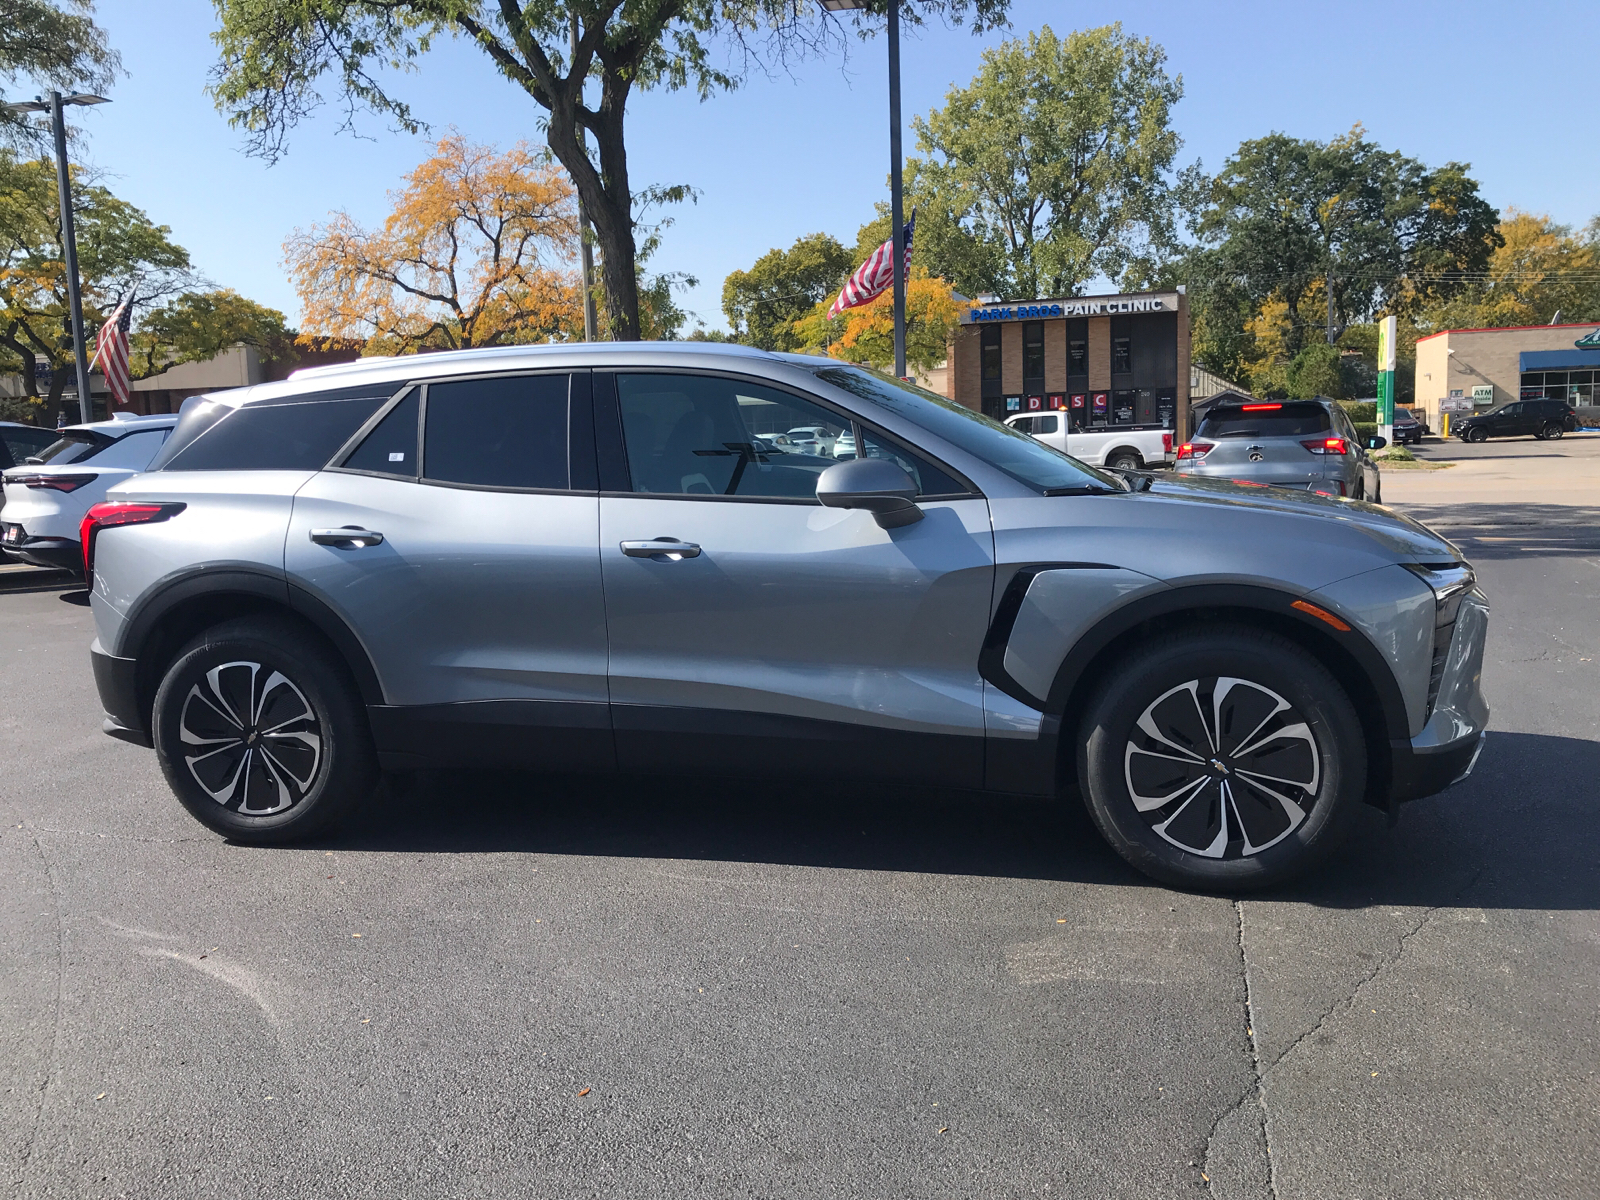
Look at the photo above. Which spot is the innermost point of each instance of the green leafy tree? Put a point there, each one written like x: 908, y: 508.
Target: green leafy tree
x: 1370, y: 228
x: 1315, y: 372
x: 276, y: 53
x: 118, y: 245
x: 54, y: 46
x: 782, y: 286
x: 197, y: 326
x: 1057, y: 160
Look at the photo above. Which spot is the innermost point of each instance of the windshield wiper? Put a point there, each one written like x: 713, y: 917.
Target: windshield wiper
x: 1081, y: 490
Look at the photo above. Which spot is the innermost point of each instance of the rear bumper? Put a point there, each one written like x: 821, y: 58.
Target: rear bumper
x: 63, y: 554
x: 116, y: 679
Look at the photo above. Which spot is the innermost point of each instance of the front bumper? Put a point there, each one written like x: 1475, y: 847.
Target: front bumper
x: 1447, y: 749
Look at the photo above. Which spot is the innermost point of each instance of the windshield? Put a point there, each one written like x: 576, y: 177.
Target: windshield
x: 72, y: 447
x: 1026, y: 460
x: 1265, y: 420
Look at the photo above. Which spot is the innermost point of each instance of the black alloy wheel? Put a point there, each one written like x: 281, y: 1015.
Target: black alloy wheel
x: 1477, y: 434
x: 1225, y: 758
x: 1553, y: 431
x: 260, y: 733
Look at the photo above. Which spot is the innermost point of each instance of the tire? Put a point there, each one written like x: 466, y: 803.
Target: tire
x: 1206, y: 820
x: 1552, y: 432
x: 1124, y: 461
x: 314, y: 764
x: 1477, y: 435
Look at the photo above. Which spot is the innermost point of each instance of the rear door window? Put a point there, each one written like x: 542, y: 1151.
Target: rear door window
x: 24, y: 444
x: 296, y: 436
x: 391, y: 448
x: 134, y: 450
x: 498, y: 433
x: 1281, y: 420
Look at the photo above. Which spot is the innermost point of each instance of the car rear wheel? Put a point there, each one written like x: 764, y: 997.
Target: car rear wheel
x: 1125, y: 461
x: 1225, y: 759
x: 1552, y: 431
x: 261, y: 737
x: 1477, y: 435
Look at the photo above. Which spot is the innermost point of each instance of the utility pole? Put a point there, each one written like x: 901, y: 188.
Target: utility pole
x: 896, y: 197
x: 585, y: 249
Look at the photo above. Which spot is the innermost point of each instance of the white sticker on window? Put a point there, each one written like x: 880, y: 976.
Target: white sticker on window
x: 397, y: 456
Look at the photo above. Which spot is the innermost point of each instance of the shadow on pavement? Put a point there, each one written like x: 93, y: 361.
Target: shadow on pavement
x: 17, y: 578
x: 1520, y: 833
x: 1513, y: 531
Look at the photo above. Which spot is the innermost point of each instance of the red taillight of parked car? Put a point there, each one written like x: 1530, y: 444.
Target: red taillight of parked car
x: 1194, y: 450
x: 117, y: 512
x: 1333, y: 445
x: 1166, y: 443
x: 53, y: 483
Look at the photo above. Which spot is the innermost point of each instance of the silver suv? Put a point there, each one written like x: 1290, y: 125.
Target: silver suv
x: 588, y: 558
x: 1309, y: 444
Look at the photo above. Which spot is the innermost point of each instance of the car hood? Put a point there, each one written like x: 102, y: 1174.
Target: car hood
x: 1399, y: 534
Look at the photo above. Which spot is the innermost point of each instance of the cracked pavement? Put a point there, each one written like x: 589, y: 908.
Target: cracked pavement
x: 777, y: 990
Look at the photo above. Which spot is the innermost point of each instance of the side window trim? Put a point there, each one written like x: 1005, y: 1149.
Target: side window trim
x: 616, y: 477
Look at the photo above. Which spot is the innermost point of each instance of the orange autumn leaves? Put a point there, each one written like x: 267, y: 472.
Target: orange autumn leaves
x: 479, y: 249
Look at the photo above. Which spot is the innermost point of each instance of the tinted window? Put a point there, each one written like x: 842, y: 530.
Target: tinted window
x: 297, y: 436
x: 26, y: 443
x: 1285, y: 420
x: 498, y: 432
x: 72, y: 447
x: 1025, y: 459
x: 391, y: 448
x: 693, y: 435
x: 134, y: 450
x: 1046, y: 424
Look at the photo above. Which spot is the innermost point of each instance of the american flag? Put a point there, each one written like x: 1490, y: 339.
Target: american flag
x: 111, y: 349
x: 873, y: 276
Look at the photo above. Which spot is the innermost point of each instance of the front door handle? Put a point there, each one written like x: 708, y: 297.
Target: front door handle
x: 663, y: 549
x: 346, y: 538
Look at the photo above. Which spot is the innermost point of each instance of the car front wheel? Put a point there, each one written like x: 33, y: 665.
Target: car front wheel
x: 1477, y: 435
x: 1224, y: 759
x: 262, y: 737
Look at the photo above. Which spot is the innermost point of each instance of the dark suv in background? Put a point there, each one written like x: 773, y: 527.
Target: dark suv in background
x: 1520, y: 418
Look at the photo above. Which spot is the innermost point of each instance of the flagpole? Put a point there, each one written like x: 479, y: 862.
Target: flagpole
x: 896, y: 199
x: 69, y: 246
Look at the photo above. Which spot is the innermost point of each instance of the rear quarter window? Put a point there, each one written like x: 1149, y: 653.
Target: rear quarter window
x: 1292, y: 420
x: 298, y: 433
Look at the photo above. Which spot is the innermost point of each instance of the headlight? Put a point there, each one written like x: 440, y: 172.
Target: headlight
x: 1450, y: 582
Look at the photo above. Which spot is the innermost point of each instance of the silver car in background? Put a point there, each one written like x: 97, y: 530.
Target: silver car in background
x: 1310, y: 444
x: 584, y: 558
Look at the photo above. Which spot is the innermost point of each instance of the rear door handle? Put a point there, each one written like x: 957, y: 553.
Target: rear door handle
x: 348, y: 537
x: 664, y: 548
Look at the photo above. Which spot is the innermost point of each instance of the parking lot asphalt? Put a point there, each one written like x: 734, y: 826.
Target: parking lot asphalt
x: 496, y: 985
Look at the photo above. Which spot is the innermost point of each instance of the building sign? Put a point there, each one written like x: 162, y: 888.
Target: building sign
x: 1100, y: 402
x: 1013, y: 403
x: 1056, y: 401
x: 1101, y: 306
x: 1455, y: 404
x: 1483, y: 394
x: 1589, y: 341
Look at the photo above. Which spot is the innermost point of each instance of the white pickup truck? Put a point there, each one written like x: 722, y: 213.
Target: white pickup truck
x: 1122, y: 447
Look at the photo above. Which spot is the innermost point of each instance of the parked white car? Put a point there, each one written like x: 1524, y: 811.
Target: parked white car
x: 46, y: 500
x: 1100, y: 446
x: 812, y: 439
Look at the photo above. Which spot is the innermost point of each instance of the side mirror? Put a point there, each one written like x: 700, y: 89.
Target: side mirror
x: 874, y: 484
x: 1377, y: 443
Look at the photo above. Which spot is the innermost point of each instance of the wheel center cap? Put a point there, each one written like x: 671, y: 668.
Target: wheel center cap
x: 250, y: 738
x: 1220, y: 767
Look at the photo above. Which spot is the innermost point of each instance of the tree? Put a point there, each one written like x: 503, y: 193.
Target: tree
x: 274, y: 54
x: 865, y: 334
x: 197, y: 326
x: 1057, y: 157
x: 1539, y: 269
x: 477, y: 251
x: 781, y: 287
x: 1373, y: 228
x: 120, y: 250
x: 57, y: 46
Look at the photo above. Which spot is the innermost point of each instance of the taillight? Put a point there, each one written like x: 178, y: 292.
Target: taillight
x: 117, y: 512
x: 54, y: 483
x: 1333, y: 445
x: 1166, y: 443
x: 1194, y: 450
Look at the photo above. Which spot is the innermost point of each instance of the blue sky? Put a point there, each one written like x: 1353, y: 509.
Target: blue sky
x: 1510, y: 89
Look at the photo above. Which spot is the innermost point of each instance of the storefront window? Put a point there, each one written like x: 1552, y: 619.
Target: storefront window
x: 1581, y: 387
x: 991, y: 353
x: 1077, y: 358
x: 1033, y: 353
x: 1121, y: 356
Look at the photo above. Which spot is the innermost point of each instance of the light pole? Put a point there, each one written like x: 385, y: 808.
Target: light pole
x: 584, y: 248
x: 896, y: 196
x: 69, y: 237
